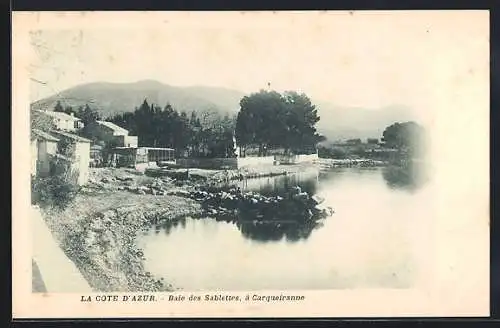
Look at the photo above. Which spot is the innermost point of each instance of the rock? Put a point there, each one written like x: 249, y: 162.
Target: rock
x: 182, y: 193
x: 141, y: 192
x: 127, y: 179
x: 317, y: 199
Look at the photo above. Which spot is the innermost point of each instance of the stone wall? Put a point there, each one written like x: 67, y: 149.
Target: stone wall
x: 208, y: 163
x: 296, y: 159
x: 255, y: 161
x: 227, y: 163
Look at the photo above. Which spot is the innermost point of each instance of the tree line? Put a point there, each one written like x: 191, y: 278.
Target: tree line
x: 266, y: 120
x: 399, y: 140
x: 205, y: 134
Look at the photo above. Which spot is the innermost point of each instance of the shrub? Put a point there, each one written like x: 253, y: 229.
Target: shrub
x: 338, y: 153
x: 52, y: 191
x: 56, y: 190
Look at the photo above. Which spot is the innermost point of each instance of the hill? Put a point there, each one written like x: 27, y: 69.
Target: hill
x: 113, y: 98
x: 337, y: 122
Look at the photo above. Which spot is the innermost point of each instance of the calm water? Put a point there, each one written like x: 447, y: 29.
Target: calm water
x: 368, y: 242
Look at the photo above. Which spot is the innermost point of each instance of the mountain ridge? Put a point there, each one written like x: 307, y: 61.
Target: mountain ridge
x: 110, y: 98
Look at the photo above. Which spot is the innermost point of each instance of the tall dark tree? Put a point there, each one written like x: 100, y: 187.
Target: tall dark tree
x: 89, y: 115
x: 206, y: 134
x: 69, y: 110
x: 58, y: 107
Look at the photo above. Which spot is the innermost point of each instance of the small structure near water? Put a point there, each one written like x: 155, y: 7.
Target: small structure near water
x: 141, y: 158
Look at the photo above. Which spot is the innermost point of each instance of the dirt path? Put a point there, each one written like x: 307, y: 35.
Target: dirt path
x: 52, y: 263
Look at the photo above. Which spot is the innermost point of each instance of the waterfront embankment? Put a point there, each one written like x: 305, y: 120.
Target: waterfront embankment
x: 97, y: 230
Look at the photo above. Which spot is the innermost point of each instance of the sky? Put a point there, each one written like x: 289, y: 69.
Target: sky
x: 362, y: 59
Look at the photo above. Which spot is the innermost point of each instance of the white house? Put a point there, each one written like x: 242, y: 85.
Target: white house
x: 65, y: 122
x: 108, y: 131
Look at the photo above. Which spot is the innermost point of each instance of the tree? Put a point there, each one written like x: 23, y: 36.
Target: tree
x: 405, y: 137
x: 270, y: 119
x: 58, y: 107
x: 88, y: 115
x: 69, y: 110
x: 356, y: 141
x: 303, y: 117
x: 204, y: 134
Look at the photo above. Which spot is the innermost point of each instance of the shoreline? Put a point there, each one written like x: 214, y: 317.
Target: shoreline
x: 101, y: 242
x: 97, y: 230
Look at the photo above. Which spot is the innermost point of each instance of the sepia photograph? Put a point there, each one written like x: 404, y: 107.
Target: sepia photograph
x: 211, y: 153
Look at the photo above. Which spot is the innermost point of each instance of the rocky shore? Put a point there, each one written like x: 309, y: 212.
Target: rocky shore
x: 235, y: 205
x: 98, y: 229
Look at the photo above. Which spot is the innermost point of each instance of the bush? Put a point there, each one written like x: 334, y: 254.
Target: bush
x: 52, y: 191
x: 335, y: 152
x: 338, y: 153
x: 56, y: 190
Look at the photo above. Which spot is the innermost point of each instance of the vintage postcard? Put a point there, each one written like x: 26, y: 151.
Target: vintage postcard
x: 250, y: 164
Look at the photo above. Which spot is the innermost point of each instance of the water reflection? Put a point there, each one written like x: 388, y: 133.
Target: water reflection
x: 260, y: 231
x: 295, y: 226
x: 367, y: 243
x: 410, y: 177
x: 266, y: 232
x: 280, y: 185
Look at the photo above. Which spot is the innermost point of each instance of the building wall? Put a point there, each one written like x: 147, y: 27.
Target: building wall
x: 229, y: 163
x: 208, y: 163
x: 127, y: 141
x: 296, y: 159
x: 255, y: 161
x: 99, y: 131
x: 66, y: 125
x: 82, y: 161
x: 45, y: 150
x: 240, y: 162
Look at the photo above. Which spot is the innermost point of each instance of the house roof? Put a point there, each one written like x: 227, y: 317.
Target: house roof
x: 61, y: 116
x: 39, y: 134
x: 70, y: 136
x: 113, y: 126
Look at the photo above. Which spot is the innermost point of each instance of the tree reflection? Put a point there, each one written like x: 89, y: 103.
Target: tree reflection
x: 409, y: 177
x: 272, y: 231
